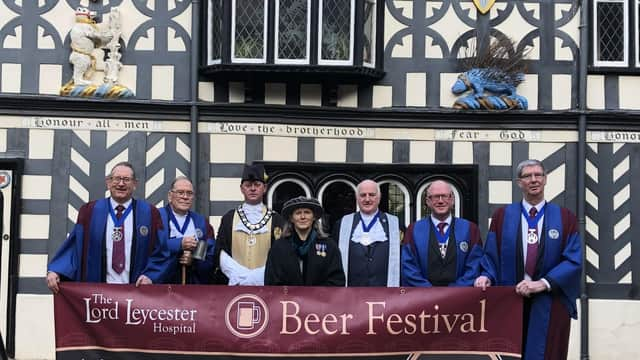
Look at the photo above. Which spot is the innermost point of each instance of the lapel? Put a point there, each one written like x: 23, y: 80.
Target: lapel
x: 95, y: 241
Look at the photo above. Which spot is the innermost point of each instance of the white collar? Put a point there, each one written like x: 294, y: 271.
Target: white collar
x: 528, y: 206
x: 114, y: 203
x: 437, y: 221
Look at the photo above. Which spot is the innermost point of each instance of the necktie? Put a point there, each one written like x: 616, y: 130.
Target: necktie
x: 443, y: 246
x: 532, y: 247
x: 117, y: 255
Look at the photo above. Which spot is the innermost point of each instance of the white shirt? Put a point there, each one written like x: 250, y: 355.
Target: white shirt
x: 180, y: 219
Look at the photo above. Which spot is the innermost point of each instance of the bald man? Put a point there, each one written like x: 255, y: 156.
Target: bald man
x: 441, y: 250
x: 369, y: 241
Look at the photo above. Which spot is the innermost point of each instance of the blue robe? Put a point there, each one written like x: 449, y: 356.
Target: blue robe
x: 200, y: 271
x: 82, y: 256
x: 415, y: 253
x: 559, y: 262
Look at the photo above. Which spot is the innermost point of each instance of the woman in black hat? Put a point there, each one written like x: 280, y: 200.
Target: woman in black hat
x: 304, y: 255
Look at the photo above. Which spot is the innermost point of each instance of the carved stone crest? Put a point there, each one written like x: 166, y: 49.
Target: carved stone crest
x: 89, y: 40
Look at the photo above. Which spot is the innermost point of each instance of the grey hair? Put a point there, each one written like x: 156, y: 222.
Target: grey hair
x: 375, y: 182
x: 527, y: 163
x: 126, y: 164
x: 181, y: 177
x: 426, y: 189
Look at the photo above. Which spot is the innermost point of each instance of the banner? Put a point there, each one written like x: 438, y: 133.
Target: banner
x: 102, y: 321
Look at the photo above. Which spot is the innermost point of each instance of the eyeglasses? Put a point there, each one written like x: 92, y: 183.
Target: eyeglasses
x: 117, y: 179
x: 183, y: 193
x: 532, y: 176
x: 439, y: 197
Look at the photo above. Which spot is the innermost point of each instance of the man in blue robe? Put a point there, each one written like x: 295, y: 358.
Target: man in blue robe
x: 369, y: 241
x: 441, y: 250
x: 117, y: 240
x: 534, y: 245
x: 187, y: 229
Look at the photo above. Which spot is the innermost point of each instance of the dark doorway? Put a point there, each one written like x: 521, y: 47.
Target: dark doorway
x: 285, y: 191
x: 338, y: 200
x: 11, y: 171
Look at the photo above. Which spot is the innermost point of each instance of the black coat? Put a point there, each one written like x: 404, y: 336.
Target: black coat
x: 283, y: 264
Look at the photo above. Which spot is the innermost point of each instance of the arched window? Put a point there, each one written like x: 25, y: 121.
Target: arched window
x: 338, y: 198
x: 394, y: 199
x: 284, y: 189
x: 421, y: 201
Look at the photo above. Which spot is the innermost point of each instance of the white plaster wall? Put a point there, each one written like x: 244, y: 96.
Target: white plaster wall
x: 34, y: 327
x: 614, y: 326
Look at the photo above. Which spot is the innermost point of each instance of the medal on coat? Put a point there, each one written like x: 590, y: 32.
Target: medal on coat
x: 443, y: 249
x: 251, y: 241
x: 117, y: 235
x: 321, y: 250
x: 532, y: 231
x: 118, y: 223
x: 443, y: 239
x: 366, y: 239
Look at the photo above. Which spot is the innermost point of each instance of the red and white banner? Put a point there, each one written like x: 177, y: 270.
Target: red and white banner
x: 96, y: 321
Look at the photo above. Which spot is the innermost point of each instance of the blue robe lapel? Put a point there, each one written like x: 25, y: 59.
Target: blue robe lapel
x: 421, y: 233
x: 461, y: 235
x: 140, y: 239
x: 510, y: 239
x: 552, y: 246
x: 198, y: 223
x: 96, y: 251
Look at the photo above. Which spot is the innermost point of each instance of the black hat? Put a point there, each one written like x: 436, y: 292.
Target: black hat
x: 302, y: 202
x: 254, y: 173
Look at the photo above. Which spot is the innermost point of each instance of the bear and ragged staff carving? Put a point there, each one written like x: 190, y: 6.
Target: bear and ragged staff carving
x: 88, y: 39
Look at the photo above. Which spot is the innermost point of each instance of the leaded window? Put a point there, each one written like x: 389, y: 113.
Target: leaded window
x: 215, y: 31
x: 336, y: 31
x: 288, y: 39
x: 292, y: 31
x: 615, y: 33
x: 249, y: 31
x: 368, y: 45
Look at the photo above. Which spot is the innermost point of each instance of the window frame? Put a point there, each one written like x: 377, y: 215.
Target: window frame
x: 374, y: 34
x: 273, y: 187
x: 407, y: 198
x: 352, y: 17
x: 631, y: 40
x: 276, y: 40
x: 210, y: 60
x: 265, y: 19
x: 457, y: 203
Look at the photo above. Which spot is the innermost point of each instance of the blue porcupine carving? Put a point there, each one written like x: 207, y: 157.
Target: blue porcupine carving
x: 497, y: 71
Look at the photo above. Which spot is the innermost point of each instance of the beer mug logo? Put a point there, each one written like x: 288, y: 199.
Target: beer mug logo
x: 246, y: 316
